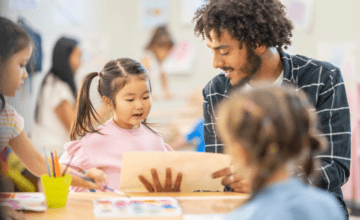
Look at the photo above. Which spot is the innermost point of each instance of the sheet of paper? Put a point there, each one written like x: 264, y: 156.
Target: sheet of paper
x: 196, y: 169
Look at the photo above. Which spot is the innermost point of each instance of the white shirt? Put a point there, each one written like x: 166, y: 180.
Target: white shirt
x: 277, y: 83
x: 154, y: 71
x: 50, y: 132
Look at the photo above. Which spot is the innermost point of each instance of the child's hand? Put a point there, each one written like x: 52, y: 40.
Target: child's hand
x: 157, y: 184
x: 7, y: 212
x: 98, y: 176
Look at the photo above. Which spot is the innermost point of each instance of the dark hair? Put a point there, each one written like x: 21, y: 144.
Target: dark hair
x: 113, y: 77
x: 261, y: 22
x: 160, y: 38
x: 60, y: 67
x: 268, y: 117
x: 12, y: 40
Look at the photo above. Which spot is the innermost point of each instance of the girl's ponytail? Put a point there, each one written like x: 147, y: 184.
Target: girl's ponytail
x: 85, y: 111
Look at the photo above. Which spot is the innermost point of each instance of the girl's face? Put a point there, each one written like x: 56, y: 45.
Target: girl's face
x: 75, y: 59
x: 133, y: 103
x: 13, y: 71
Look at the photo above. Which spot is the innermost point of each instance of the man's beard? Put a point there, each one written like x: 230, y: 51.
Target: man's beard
x: 253, y: 64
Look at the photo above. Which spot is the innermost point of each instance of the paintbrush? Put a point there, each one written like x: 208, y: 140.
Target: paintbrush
x: 113, y: 190
x: 67, y: 166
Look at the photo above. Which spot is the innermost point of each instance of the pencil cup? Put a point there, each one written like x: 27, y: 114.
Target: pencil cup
x: 56, y: 190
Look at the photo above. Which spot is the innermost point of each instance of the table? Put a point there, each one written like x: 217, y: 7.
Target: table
x: 80, y: 205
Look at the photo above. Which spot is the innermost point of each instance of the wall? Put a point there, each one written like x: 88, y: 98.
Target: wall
x: 51, y: 19
x: 115, y: 23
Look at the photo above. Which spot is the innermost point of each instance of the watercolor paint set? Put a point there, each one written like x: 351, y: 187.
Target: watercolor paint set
x: 136, y: 207
x: 24, y: 201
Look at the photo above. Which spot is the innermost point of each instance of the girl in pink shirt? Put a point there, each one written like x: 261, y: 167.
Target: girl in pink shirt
x: 125, y: 89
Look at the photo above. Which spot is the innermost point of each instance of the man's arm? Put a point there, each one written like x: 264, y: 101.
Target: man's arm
x: 334, y: 117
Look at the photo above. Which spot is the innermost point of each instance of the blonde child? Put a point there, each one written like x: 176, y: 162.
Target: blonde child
x: 270, y: 133
x: 125, y: 89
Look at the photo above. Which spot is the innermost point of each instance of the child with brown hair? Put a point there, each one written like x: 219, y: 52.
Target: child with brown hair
x: 272, y: 137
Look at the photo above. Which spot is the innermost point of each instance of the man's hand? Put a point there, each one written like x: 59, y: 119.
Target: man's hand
x: 233, y: 180
x: 157, y: 185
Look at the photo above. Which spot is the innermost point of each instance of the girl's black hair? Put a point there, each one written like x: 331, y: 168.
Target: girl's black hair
x: 12, y: 40
x: 60, y: 67
x: 113, y: 77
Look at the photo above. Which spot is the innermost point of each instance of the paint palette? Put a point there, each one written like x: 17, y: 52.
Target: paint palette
x: 24, y: 201
x: 136, y: 207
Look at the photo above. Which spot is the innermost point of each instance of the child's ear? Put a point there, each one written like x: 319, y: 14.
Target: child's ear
x: 108, y: 103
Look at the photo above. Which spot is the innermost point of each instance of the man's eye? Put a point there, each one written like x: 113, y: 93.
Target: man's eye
x: 224, y: 54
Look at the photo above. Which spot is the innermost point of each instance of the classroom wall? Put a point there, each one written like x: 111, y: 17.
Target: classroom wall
x: 52, y: 20
x: 110, y: 29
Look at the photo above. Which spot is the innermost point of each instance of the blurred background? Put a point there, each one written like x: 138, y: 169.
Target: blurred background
x: 109, y: 29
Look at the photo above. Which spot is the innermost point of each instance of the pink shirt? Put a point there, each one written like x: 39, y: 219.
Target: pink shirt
x: 105, y: 151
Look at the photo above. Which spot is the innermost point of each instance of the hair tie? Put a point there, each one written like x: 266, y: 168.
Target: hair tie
x: 99, y: 73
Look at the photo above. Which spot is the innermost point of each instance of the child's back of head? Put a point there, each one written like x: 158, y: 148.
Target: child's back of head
x: 276, y: 127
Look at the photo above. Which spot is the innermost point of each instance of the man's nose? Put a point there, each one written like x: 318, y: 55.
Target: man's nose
x: 217, y: 61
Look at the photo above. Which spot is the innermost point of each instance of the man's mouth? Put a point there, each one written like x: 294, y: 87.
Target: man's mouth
x: 227, y: 71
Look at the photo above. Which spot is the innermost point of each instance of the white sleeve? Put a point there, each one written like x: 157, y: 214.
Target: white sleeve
x: 61, y: 92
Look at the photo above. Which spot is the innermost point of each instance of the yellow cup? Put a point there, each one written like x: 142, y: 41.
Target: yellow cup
x: 56, y: 190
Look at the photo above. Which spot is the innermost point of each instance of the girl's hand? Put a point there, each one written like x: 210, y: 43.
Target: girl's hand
x: 99, y: 177
x: 8, y: 213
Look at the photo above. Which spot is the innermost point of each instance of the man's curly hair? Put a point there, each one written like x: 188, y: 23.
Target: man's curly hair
x: 261, y: 22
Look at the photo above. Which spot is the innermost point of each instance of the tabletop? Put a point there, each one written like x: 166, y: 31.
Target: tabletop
x: 80, y: 205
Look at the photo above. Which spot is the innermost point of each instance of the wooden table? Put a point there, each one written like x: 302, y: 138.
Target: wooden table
x: 80, y: 205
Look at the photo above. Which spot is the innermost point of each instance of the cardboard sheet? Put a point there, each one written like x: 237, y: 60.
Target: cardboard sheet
x: 196, y: 168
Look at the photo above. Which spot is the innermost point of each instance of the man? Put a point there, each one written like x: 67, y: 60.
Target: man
x: 246, y: 38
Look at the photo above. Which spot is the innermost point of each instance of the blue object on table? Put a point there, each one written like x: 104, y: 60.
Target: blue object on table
x: 197, y: 133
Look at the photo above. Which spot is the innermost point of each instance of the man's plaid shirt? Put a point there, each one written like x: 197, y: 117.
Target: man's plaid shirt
x: 324, y: 85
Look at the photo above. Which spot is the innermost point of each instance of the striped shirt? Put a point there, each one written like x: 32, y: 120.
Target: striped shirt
x: 11, y: 125
x: 325, y: 87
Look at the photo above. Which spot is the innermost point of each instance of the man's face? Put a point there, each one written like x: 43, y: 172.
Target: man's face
x: 235, y: 62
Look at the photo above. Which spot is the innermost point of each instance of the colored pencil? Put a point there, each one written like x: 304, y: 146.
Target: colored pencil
x: 52, y: 162
x: 113, y: 190
x: 47, y: 163
x: 67, y: 165
x: 57, y: 166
